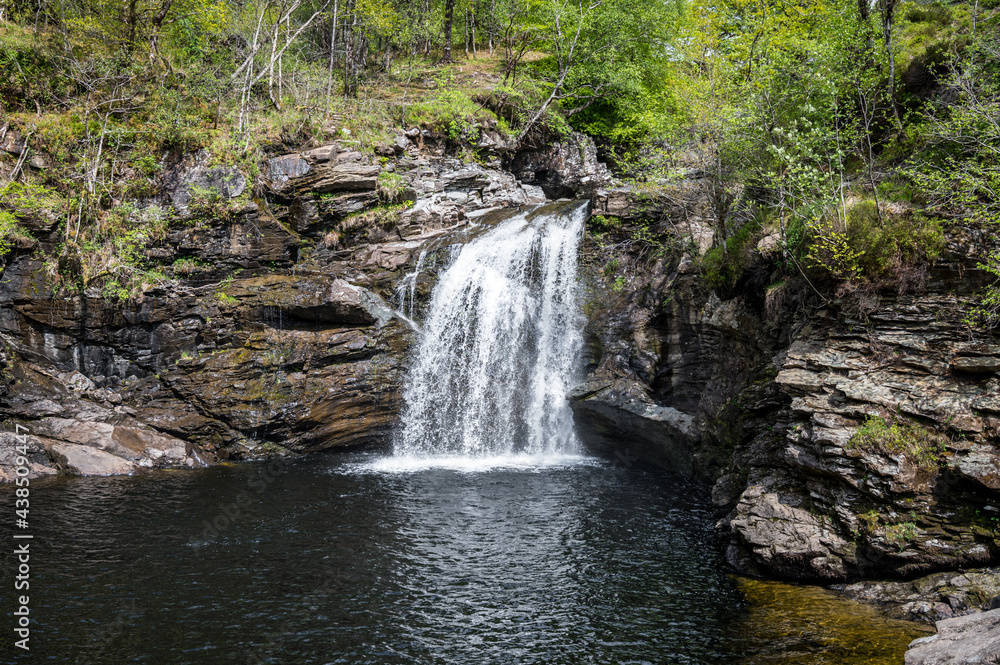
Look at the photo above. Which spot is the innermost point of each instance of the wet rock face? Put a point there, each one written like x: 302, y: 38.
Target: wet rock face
x: 195, y: 374
x: 565, y: 169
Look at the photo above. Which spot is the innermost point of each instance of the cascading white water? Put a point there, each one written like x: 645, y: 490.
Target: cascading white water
x: 500, y: 344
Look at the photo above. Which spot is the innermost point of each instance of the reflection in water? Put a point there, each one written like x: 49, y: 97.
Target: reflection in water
x: 328, y: 560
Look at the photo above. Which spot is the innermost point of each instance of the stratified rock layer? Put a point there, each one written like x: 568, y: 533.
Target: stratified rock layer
x: 278, y: 335
x: 776, y: 382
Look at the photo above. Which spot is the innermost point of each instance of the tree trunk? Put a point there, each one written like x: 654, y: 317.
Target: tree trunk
x: 888, y: 8
x: 333, y: 53
x: 350, y: 58
x: 449, y: 15
x: 131, y: 18
x: 473, y: 17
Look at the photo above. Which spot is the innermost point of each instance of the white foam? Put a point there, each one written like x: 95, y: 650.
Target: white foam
x: 515, y: 462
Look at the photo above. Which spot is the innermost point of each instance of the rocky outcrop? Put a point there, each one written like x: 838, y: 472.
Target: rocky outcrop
x: 968, y: 640
x: 778, y: 381
x: 566, y: 168
x: 933, y: 597
x: 661, y: 435
x: 276, y: 333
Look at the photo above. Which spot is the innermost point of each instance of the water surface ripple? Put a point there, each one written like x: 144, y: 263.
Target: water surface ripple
x: 334, y: 560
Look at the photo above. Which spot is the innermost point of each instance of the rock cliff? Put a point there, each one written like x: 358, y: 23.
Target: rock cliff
x: 768, y: 390
x: 276, y: 332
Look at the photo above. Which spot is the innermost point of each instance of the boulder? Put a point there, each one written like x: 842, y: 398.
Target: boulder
x: 80, y: 460
x: 342, y: 177
x: 136, y: 444
x: 282, y: 169
x: 11, y: 141
x: 969, y: 640
x: 616, y: 419
x: 321, y: 154
x: 13, y: 446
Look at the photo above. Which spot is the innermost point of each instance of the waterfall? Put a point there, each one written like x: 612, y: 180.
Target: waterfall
x: 500, y: 344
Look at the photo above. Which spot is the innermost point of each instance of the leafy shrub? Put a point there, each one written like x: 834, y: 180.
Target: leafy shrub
x: 9, y: 231
x: 452, y: 112
x: 871, y: 245
x: 188, y: 265
x: 900, y: 534
x: 391, y: 186
x: 722, y: 268
x: 986, y: 312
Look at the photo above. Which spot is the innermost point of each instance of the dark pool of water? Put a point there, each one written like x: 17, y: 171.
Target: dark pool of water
x: 324, y: 561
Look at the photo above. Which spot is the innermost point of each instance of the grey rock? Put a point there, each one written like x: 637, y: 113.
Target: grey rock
x: 314, y: 298
x: 343, y: 177
x: 12, y: 142
x: 13, y: 446
x: 322, y: 154
x: 976, y: 364
x: 80, y: 460
x: 564, y: 169
x: 981, y: 465
x: 967, y: 640
x: 617, y: 419
x: 224, y: 182
x: 138, y: 444
x: 287, y: 167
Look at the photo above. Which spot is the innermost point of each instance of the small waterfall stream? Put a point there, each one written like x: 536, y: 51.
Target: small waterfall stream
x: 500, y: 344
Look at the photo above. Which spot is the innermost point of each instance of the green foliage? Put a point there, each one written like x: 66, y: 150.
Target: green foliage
x: 391, y: 186
x: 207, y: 204
x: 187, y: 265
x: 958, y: 165
x: 600, y: 223
x: 32, y: 74
x: 451, y: 112
x: 921, y: 446
x: 31, y: 200
x: 986, y: 312
x: 900, y: 534
x: 722, y: 267
x: 10, y: 232
x: 871, y: 245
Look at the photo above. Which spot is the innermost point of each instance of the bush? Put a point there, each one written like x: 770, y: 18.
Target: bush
x: 452, y: 112
x: 9, y: 231
x: 724, y: 268
x: 986, y: 312
x: 870, y: 246
x: 918, y: 444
